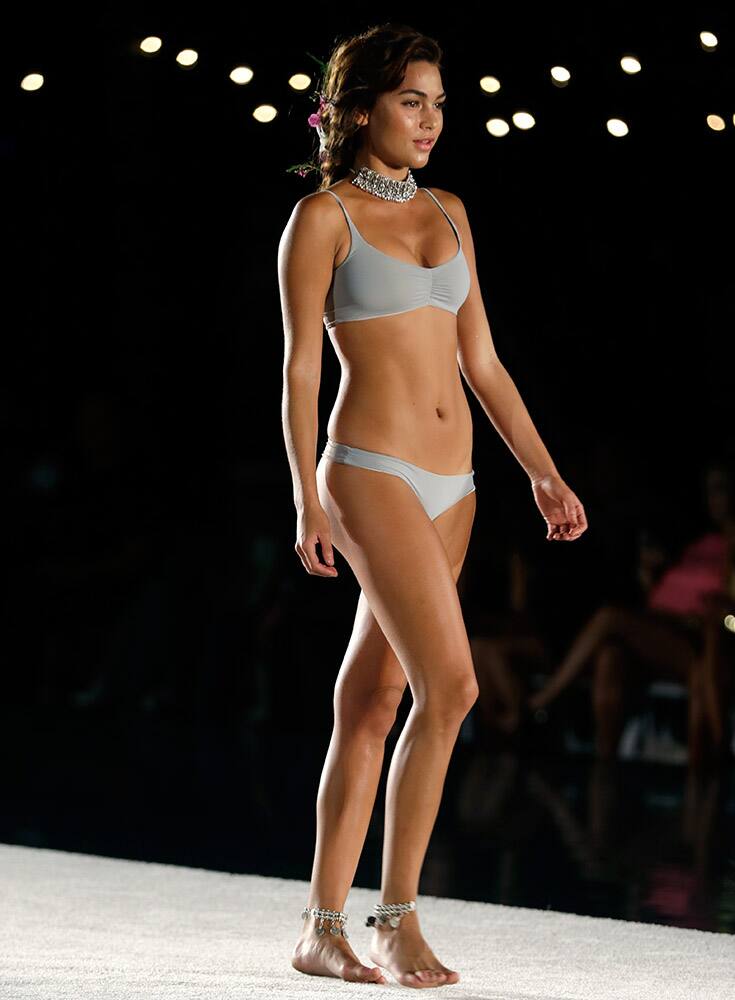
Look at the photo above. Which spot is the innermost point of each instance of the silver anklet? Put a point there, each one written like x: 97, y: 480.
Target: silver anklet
x: 390, y: 913
x: 321, y: 914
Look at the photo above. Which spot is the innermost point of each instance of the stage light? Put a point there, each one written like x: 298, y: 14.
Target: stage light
x: 264, y: 113
x: 151, y: 44
x: 300, y: 81
x: 708, y: 40
x: 241, y: 74
x: 32, y: 81
x: 490, y: 84
x: 560, y: 76
x: 716, y: 122
x: 497, y: 127
x: 187, y: 57
x: 523, y: 120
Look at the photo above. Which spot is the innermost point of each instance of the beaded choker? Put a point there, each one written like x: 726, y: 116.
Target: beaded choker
x: 383, y: 186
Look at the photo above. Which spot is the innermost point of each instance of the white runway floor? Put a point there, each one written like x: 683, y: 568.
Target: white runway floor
x: 80, y: 926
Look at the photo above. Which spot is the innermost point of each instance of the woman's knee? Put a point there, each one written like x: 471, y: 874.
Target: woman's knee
x: 611, y: 618
x: 372, y: 713
x: 448, y: 702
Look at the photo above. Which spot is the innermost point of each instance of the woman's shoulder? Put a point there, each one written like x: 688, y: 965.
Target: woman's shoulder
x: 322, y: 197
x: 448, y: 198
x: 319, y: 204
x: 339, y: 187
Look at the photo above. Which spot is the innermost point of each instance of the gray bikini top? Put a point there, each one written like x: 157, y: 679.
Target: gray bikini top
x: 369, y: 283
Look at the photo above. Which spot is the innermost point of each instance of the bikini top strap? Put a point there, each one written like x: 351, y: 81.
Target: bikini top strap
x: 451, y: 221
x: 350, y: 223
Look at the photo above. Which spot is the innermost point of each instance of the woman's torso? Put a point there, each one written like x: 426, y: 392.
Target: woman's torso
x: 700, y: 570
x: 401, y: 391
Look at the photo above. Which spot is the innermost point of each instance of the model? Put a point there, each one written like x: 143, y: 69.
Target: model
x: 389, y: 269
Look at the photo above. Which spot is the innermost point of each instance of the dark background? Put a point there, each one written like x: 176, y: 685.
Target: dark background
x: 153, y: 605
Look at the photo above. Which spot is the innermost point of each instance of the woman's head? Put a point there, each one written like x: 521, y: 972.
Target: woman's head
x: 368, y: 120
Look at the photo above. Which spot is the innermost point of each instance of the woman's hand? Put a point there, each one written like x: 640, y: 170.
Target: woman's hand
x: 313, y: 527
x: 562, y: 511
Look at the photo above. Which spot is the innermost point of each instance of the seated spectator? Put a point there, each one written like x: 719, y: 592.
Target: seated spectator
x: 677, y: 633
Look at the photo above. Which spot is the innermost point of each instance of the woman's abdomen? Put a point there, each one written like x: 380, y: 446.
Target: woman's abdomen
x: 430, y: 429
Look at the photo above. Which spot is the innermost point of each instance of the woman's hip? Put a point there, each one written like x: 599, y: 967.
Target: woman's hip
x: 382, y: 462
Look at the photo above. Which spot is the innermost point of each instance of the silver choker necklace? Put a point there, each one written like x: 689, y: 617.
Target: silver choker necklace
x: 383, y: 186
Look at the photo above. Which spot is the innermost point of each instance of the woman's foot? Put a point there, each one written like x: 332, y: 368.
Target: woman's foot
x: 405, y: 954
x: 331, y: 955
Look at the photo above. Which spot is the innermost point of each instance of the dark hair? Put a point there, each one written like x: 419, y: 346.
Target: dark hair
x: 358, y: 70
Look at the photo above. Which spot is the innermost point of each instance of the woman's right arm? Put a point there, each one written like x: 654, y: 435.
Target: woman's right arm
x: 305, y: 262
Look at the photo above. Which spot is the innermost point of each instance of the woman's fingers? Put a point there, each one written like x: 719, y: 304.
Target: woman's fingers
x: 313, y: 530
x: 313, y: 562
x: 575, y: 525
x: 577, y: 522
x: 327, y: 550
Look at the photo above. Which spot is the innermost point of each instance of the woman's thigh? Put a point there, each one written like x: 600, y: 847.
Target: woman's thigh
x: 658, y: 643
x: 408, y: 626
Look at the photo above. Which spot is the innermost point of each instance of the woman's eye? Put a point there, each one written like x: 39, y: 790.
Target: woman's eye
x: 440, y: 106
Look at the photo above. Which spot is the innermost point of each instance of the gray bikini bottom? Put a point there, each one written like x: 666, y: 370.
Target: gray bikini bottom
x: 436, y: 492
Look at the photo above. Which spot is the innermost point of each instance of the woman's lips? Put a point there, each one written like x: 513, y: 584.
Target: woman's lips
x: 424, y: 143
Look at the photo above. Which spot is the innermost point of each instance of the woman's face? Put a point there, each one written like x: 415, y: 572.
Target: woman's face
x: 400, y: 117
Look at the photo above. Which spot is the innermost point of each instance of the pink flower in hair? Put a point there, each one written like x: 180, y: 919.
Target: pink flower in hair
x: 315, y: 119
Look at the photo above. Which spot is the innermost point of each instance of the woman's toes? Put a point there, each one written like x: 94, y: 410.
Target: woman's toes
x: 452, y: 976
x: 369, y: 975
x: 430, y: 975
x: 411, y: 978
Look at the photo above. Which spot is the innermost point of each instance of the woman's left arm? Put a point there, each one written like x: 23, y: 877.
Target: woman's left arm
x: 499, y: 397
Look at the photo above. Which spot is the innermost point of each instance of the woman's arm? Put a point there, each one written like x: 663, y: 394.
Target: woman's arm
x: 497, y: 393
x: 486, y: 375
x: 502, y: 402
x: 305, y: 261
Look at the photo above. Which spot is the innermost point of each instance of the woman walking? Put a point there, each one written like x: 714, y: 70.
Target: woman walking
x: 389, y: 268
